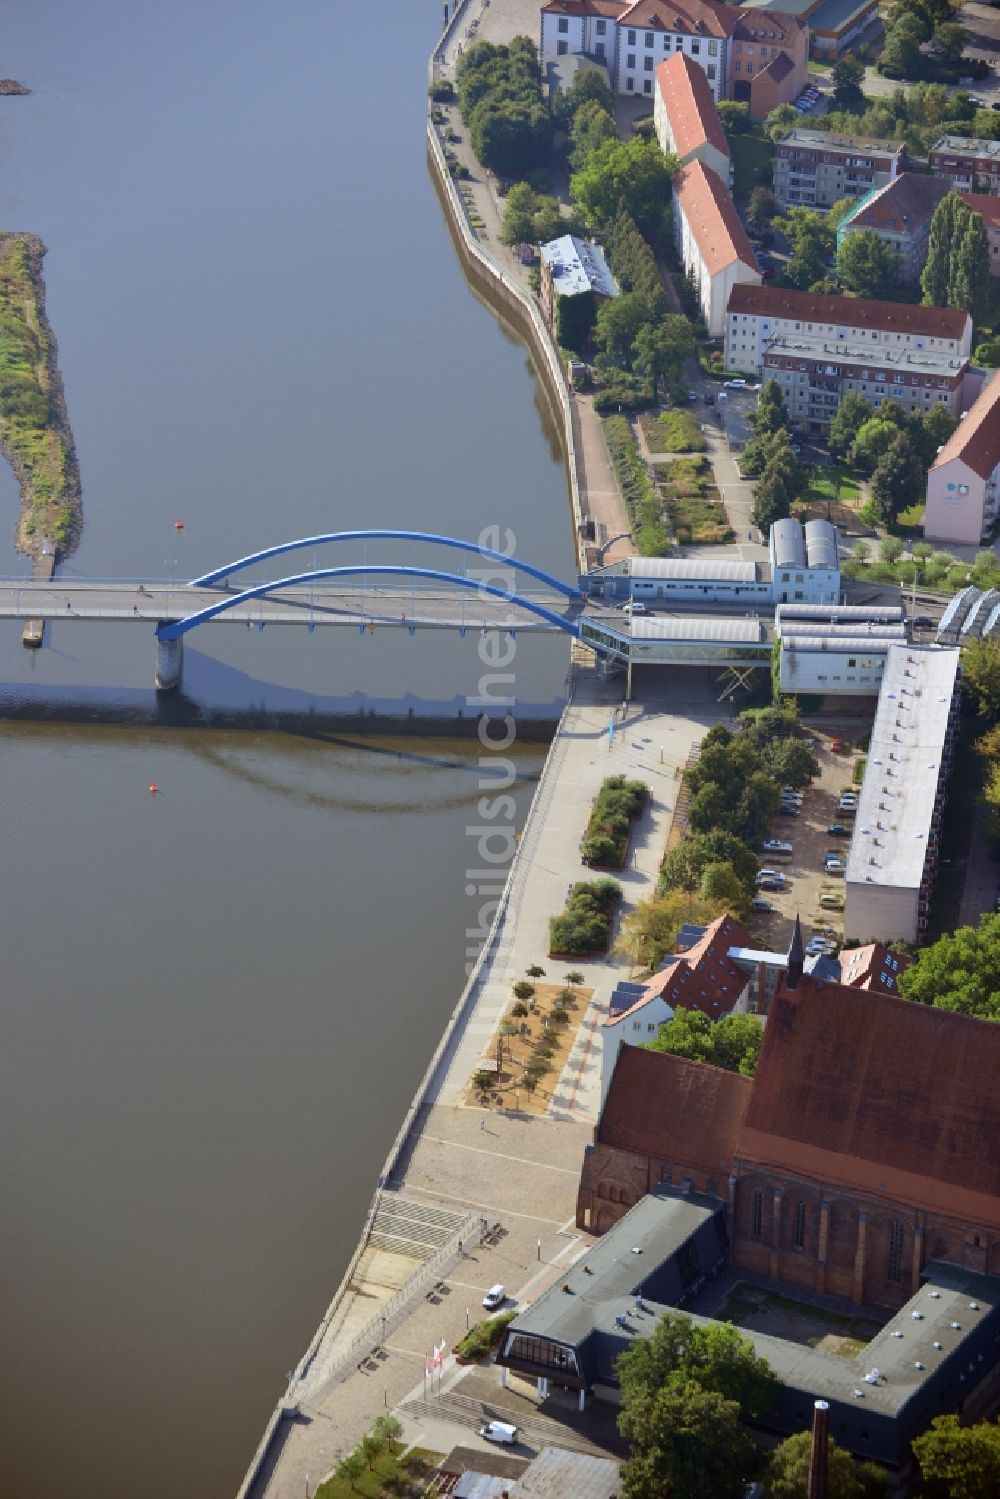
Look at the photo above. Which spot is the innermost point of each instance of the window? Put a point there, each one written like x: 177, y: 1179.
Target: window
x: 631, y: 38
x: 895, y: 1250
x: 800, y: 1225
x: 649, y: 38
x: 601, y: 27
x: 599, y: 49
x: 647, y: 87
x: 562, y: 48
x: 695, y: 48
x: 757, y: 1215
x: 713, y: 49
x: 647, y: 63
x: 630, y: 60
x: 710, y: 70
x: 736, y: 66
x: 563, y: 24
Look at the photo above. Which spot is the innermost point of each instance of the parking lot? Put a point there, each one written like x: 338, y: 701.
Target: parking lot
x: 805, y: 877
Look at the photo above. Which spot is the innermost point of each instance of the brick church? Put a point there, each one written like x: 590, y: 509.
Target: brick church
x: 867, y: 1144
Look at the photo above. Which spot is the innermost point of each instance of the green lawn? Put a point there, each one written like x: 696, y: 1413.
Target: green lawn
x: 392, y: 1475
x: 832, y: 483
x: 673, y: 432
x: 815, y: 66
x: 753, y: 159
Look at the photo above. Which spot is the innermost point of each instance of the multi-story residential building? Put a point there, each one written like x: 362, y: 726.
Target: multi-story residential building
x: 813, y: 169
x: 686, y: 119
x: 893, y: 857
x: 572, y: 267
x: 814, y: 375
x: 755, y: 315
x: 963, y: 486
x: 833, y: 24
x: 900, y: 213
x: 988, y: 208
x: 734, y: 49
x: 971, y: 165
x: 711, y: 241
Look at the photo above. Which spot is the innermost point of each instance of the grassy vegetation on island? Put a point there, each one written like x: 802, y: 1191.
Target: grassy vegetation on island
x: 34, y: 431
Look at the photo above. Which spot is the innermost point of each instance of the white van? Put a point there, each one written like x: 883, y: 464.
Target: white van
x: 499, y: 1431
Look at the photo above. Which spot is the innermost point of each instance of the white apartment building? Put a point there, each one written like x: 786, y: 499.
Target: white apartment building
x: 711, y: 241
x: 756, y: 315
x: 963, y: 486
x: 893, y: 857
x: 685, y: 117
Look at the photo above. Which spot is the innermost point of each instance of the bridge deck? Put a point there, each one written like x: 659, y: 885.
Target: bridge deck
x: 318, y: 604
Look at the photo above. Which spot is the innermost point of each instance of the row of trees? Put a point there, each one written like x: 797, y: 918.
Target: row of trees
x: 500, y: 96
x: 957, y: 270
x: 895, y: 446
x: 769, y: 458
x: 735, y: 788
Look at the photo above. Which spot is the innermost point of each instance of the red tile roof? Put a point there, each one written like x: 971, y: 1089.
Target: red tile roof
x: 612, y: 8
x: 976, y: 439
x: 691, y: 112
x: 986, y: 205
x: 872, y: 967
x: 905, y: 204
x: 657, y: 1100
x: 713, y: 219
x: 778, y: 68
x: 881, y: 1094
x: 854, y: 312
x: 702, y: 17
x: 704, y: 978
x: 757, y: 24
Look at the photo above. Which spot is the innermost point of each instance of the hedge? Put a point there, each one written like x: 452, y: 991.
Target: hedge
x: 616, y: 806
x: 585, y: 925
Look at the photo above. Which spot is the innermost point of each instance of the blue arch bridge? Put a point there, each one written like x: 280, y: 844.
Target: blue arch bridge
x: 498, y: 592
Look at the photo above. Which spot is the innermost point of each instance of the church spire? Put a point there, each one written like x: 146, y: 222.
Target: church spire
x: 796, y: 957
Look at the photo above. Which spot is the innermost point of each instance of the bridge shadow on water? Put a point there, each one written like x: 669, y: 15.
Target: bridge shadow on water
x: 215, y: 695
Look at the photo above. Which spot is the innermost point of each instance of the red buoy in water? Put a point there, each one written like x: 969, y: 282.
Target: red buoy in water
x: 153, y: 787
x: 178, y: 525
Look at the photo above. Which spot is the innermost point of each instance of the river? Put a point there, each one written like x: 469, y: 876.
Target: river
x: 218, y: 1000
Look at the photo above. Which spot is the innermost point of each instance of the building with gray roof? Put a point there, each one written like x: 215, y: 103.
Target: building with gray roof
x: 928, y: 1359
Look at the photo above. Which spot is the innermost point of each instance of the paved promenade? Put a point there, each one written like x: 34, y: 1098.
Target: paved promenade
x: 518, y: 1170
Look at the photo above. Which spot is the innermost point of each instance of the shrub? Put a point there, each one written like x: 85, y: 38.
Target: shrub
x: 617, y: 804
x: 574, y: 976
x: 442, y: 90
x: 485, y: 1336
x: 585, y: 925
x: 535, y: 971
x: 524, y: 990
x: 519, y: 1010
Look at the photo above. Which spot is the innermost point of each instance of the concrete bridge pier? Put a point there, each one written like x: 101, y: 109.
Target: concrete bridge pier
x: 169, y: 663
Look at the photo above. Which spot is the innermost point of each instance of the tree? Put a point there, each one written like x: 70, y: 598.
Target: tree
x: 901, y: 53
x: 929, y: 430
x: 779, y: 483
x: 684, y: 867
x: 764, y: 207
x: 956, y: 272
x: 350, y: 1468
x: 685, y: 1392
x: 649, y: 931
x: 867, y: 265
x: 388, y: 1429
x: 950, y: 41
x: 788, y: 1472
x: 874, y: 438
x: 898, y: 480
x: 519, y: 209
x: 780, y: 121
x: 510, y: 137
x: 618, y: 322
x: 593, y: 125
x: 634, y: 175
x: 960, y: 971
x: 981, y: 674
x: 962, y: 1462
x: 733, y: 1042
x: 735, y: 116
x: 849, y: 416
x: 575, y: 318
x: 791, y: 762
x: 371, y: 1448
x: 634, y: 264
x: 771, y: 413
x: 890, y: 549
x: 839, y: 210
x: 848, y: 78
x: 657, y: 353
x: 588, y: 87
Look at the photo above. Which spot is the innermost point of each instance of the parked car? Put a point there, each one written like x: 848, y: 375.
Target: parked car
x: 495, y: 1296
x: 692, y: 395
x: 499, y: 1431
x: 774, y: 885
x: 636, y: 606
x: 791, y: 794
x: 838, y: 830
x: 776, y: 846
x: 848, y: 804
x: 739, y: 384
x: 787, y: 809
x: 922, y: 622
x: 770, y: 874
x: 760, y: 904
x: 831, y: 900
x: 708, y: 398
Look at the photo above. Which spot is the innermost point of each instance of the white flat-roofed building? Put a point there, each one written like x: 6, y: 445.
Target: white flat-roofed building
x: 894, y: 850
x: 805, y: 563
x: 836, y: 663
x: 838, y: 614
x: 573, y: 267
x: 756, y: 315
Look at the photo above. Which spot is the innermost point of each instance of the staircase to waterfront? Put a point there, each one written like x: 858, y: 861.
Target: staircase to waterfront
x: 415, y: 1229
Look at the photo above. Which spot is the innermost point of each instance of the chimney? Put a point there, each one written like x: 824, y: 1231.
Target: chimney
x: 816, y: 1487
x: 796, y: 958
